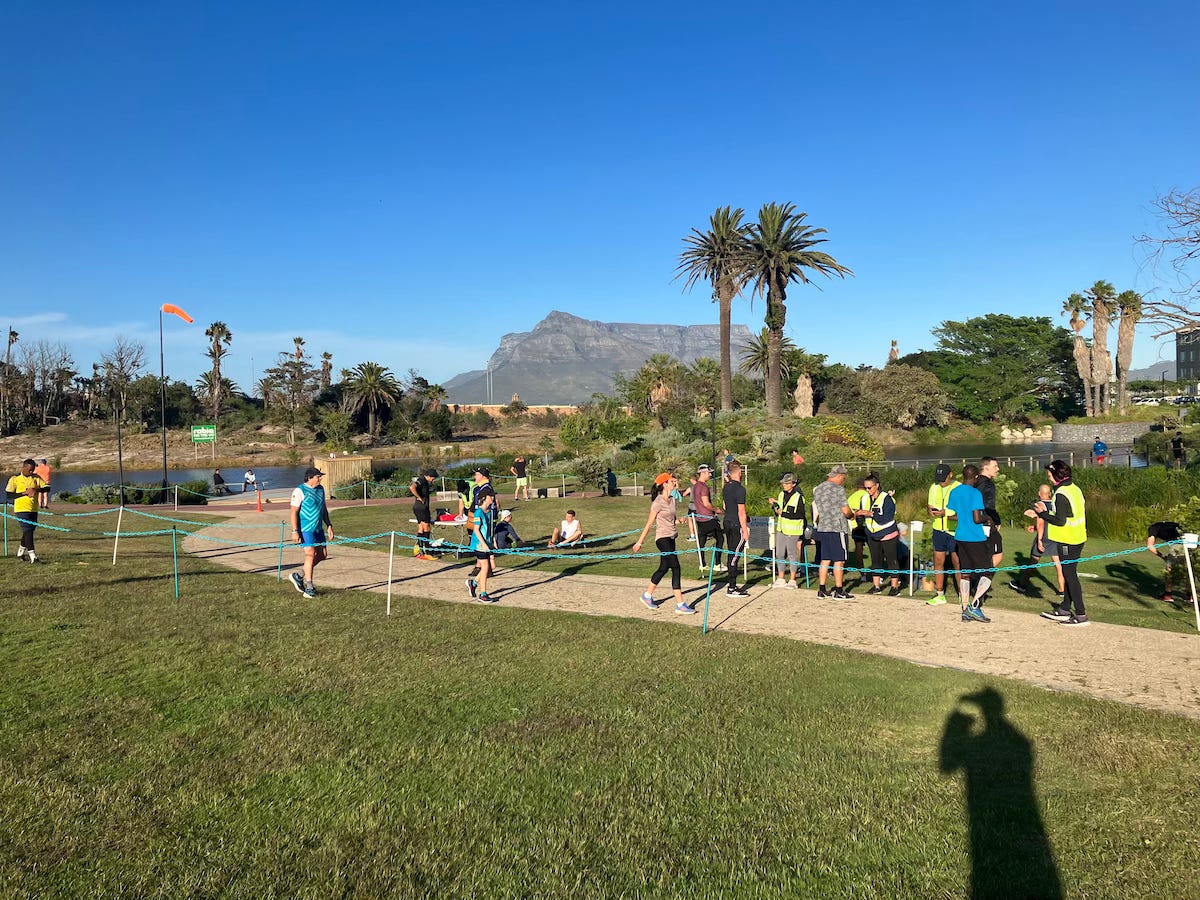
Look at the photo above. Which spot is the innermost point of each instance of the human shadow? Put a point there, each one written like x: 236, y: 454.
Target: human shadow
x: 1011, y: 856
x: 1144, y: 583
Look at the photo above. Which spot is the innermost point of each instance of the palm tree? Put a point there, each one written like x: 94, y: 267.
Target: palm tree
x: 221, y: 337
x: 437, y: 396
x: 1130, y: 305
x: 373, y: 386
x: 205, y: 387
x: 326, y: 371
x: 1077, y: 306
x: 719, y: 256
x: 1103, y: 297
x: 755, y: 355
x: 780, y: 248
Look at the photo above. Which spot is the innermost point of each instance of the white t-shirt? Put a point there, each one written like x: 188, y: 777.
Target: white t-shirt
x: 568, y: 530
x: 249, y: 478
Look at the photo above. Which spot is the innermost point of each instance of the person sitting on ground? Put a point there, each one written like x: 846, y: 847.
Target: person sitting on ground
x: 1175, y: 569
x: 568, y: 533
x: 506, y: 535
x: 219, y: 487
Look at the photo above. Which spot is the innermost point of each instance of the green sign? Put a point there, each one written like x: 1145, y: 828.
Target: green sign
x: 204, y: 434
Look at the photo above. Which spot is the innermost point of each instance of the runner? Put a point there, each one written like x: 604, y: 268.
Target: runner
x: 421, y: 488
x: 1174, y: 567
x: 663, y: 517
x: 707, y: 525
x: 831, y: 518
x: 737, y: 527
x: 311, y: 528
x: 1099, y: 451
x: 789, y: 532
x: 1023, y: 584
x: 880, y: 522
x: 481, y: 546
x: 943, y: 532
x: 971, y: 543
x: 1066, y: 520
x: 22, y: 492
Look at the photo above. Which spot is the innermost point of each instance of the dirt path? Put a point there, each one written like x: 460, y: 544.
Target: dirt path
x: 1140, y: 666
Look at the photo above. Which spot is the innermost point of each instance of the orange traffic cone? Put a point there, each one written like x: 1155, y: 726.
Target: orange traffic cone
x: 258, y: 491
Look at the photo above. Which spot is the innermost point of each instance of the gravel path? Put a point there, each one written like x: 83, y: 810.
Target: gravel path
x: 1154, y: 669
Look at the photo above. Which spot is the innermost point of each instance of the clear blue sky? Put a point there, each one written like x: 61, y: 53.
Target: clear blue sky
x: 404, y: 183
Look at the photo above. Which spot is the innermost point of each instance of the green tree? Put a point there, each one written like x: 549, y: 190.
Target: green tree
x: 373, y: 387
x: 756, y: 355
x: 898, y: 394
x: 781, y: 251
x: 719, y: 256
x: 292, y: 384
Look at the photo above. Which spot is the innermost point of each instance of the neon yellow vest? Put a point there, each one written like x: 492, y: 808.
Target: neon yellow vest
x: 793, y: 503
x: 855, y: 502
x: 1075, y: 529
x: 875, y: 521
x: 938, y: 496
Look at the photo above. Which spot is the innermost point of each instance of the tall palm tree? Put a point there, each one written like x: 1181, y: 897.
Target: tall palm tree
x: 221, y: 337
x: 326, y: 371
x: 1103, y: 297
x: 780, y: 247
x: 719, y: 257
x: 372, y: 386
x: 1130, y: 305
x: 1077, y: 307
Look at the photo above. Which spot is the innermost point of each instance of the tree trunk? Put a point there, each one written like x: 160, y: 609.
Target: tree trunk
x: 804, y: 397
x: 1125, y: 335
x: 1083, y: 362
x: 776, y: 316
x: 1101, y: 364
x: 725, y: 301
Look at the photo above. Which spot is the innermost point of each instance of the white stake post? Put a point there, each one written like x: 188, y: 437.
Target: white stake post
x: 117, y: 536
x: 391, y: 556
x: 771, y: 546
x: 364, y: 492
x: 915, y: 527
x: 1189, y: 544
x: 176, y: 498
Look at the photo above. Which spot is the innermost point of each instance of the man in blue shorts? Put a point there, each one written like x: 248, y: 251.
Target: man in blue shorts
x: 831, y: 518
x: 943, y: 531
x: 311, y: 528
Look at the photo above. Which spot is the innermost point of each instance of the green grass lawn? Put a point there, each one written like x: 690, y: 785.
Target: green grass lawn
x: 244, y: 742
x: 1123, y: 591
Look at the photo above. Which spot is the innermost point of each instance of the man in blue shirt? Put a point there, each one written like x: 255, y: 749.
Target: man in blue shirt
x: 1099, y: 451
x: 970, y: 540
x: 311, y: 528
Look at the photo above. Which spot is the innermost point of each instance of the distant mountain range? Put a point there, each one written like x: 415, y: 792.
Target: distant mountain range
x: 1154, y: 372
x: 566, y: 359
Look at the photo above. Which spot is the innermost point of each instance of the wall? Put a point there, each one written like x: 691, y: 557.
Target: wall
x: 1117, y: 434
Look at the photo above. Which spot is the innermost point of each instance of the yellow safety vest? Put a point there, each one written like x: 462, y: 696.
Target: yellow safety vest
x: 875, y: 521
x: 1075, y: 529
x: 791, y: 504
x: 939, y: 495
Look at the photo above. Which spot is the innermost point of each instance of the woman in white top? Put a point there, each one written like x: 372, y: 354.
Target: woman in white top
x: 664, y: 519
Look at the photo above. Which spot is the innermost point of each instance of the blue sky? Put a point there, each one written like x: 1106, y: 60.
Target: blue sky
x: 405, y: 184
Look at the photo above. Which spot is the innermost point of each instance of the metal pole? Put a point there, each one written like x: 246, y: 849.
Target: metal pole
x: 564, y: 486
x: 117, y: 536
x: 1189, y: 544
x: 391, y: 556
x: 162, y: 384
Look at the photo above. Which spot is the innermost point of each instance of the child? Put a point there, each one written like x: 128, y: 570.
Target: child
x: 481, y: 545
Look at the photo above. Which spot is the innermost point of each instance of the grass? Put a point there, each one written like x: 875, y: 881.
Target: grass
x: 242, y: 742
x: 1121, y: 590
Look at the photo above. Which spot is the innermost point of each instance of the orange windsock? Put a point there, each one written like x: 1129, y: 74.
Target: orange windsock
x: 172, y: 308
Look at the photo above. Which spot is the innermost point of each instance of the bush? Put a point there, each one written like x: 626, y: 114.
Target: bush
x: 193, y: 493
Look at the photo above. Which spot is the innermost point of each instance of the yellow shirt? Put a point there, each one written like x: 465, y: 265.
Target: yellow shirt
x: 18, y: 485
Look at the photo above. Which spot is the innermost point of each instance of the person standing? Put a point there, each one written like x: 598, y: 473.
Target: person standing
x: 707, y: 525
x: 484, y: 488
x: 1174, y: 566
x: 1177, y: 449
x: 520, y: 469
x: 831, y: 519
x: 859, y: 500
x: 989, y: 468
x: 737, y: 526
x: 1066, y: 526
x: 481, y: 546
x: 884, y: 536
x: 788, y: 506
x: 971, y: 544
x: 23, y: 491
x: 610, y: 483
x: 664, y: 518
x: 311, y: 528
x: 943, y: 531
x: 1023, y: 584
x: 1099, y: 451
x: 42, y: 471
x: 421, y: 489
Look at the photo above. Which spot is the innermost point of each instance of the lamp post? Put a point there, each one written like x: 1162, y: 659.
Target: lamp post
x: 162, y: 381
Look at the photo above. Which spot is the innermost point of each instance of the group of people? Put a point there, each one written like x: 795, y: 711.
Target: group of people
x: 221, y: 487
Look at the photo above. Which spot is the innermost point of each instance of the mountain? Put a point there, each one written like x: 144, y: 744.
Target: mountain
x: 566, y: 359
x: 1154, y: 372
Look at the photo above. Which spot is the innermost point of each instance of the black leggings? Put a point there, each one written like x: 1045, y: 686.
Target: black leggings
x: 885, y: 555
x: 668, y: 561
x: 1068, y: 555
x: 28, y: 522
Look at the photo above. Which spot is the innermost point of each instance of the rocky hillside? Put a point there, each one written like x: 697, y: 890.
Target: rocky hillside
x: 566, y: 359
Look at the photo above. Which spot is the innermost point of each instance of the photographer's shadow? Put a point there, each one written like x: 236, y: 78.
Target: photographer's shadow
x: 1011, y: 855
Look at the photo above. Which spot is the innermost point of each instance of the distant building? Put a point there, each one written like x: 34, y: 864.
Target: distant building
x: 1187, y: 357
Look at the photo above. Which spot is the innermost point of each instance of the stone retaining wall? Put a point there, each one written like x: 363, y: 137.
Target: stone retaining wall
x: 1112, y: 434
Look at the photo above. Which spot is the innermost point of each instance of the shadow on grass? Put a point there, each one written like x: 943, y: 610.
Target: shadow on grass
x: 1011, y: 854
x: 1145, y: 584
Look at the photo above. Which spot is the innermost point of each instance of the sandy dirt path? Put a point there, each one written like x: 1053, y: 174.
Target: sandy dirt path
x: 1140, y: 666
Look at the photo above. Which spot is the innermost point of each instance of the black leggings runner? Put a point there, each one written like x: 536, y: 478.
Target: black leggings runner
x: 885, y: 558
x: 1068, y: 555
x: 668, y: 561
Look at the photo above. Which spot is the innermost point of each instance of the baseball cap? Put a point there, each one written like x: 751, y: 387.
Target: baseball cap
x: 484, y: 471
x: 311, y: 472
x: 941, y: 473
x: 704, y: 467
x: 506, y: 513
x: 839, y: 469
x: 788, y: 478
x: 663, y: 477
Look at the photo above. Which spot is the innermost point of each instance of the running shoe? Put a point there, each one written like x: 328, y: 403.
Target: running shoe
x: 648, y: 599
x: 780, y: 582
x: 487, y: 598
x: 791, y: 585
x: 734, y: 591
x: 1077, y: 621
x: 310, y: 590
x: 842, y: 594
x: 684, y: 610
x: 894, y: 592
x: 875, y: 589
x: 472, y: 587
x: 822, y: 594
x: 1018, y: 587
x: 936, y: 600
x: 298, y: 581
x: 1057, y: 615
x: 976, y: 613
x: 426, y: 556
x: 967, y: 617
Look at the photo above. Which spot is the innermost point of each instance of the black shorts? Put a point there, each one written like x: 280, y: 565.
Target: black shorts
x: 995, y: 541
x: 975, y: 555
x: 480, y: 554
x: 421, y: 511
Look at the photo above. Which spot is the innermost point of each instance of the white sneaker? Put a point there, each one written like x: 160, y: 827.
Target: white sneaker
x: 791, y: 585
x: 780, y: 582
x: 33, y: 557
x: 20, y: 552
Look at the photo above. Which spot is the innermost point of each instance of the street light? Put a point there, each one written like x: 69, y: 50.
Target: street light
x: 162, y: 381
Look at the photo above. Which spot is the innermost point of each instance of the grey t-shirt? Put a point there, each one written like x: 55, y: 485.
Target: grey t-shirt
x: 827, y: 502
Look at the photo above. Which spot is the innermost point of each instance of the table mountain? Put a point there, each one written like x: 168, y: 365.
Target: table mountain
x: 566, y: 359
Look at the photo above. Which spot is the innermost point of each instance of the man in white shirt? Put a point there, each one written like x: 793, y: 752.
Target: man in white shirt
x: 568, y: 533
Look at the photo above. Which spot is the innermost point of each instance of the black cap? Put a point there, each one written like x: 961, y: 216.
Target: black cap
x: 942, y: 472
x: 432, y: 473
x: 484, y: 471
x: 312, y: 472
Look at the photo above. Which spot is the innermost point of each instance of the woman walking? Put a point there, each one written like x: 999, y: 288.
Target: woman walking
x: 664, y: 519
